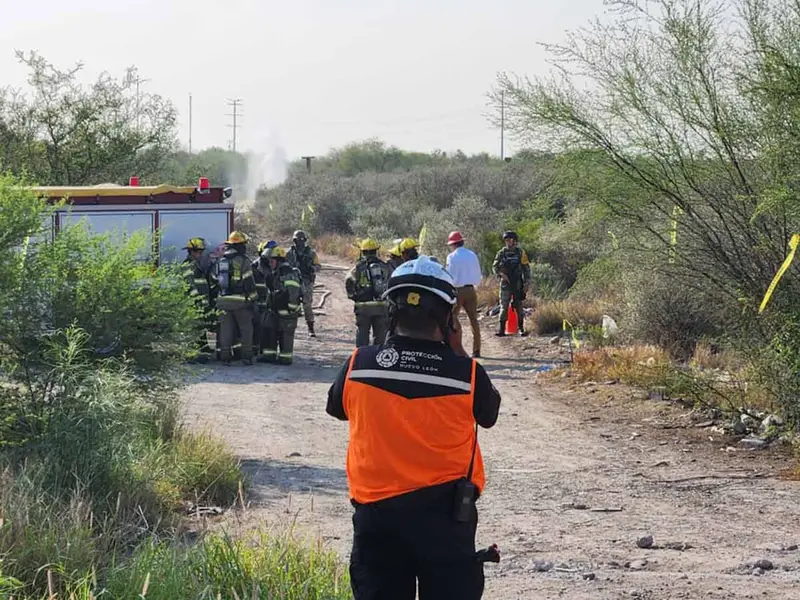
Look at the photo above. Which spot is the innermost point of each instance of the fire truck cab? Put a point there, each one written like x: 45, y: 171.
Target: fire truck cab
x: 176, y: 213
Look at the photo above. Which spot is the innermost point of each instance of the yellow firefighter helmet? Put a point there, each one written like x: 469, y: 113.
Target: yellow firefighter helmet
x: 195, y: 244
x: 236, y: 237
x: 369, y: 244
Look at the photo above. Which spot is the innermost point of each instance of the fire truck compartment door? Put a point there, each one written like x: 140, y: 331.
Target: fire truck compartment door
x: 177, y: 227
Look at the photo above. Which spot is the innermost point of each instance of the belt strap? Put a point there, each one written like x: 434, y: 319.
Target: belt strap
x: 474, y: 448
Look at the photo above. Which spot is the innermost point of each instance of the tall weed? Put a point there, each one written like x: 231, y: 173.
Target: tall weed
x: 260, y: 566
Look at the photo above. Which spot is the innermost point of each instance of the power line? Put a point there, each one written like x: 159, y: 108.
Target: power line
x: 235, y: 104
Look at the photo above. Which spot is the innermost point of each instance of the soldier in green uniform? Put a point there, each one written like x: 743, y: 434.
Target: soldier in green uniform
x: 512, y: 266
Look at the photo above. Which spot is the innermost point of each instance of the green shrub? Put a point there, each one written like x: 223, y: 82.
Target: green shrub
x: 546, y: 282
x: 666, y: 311
x: 94, y: 477
x: 598, y: 280
x: 92, y: 457
x: 195, y: 467
x: 98, y: 284
x: 263, y: 566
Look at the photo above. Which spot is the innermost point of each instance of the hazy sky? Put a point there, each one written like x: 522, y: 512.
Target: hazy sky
x: 312, y: 74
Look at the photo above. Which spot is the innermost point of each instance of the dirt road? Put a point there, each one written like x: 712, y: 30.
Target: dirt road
x: 576, y: 474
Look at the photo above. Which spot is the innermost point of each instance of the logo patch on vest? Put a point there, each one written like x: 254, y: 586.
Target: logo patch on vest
x: 387, y: 357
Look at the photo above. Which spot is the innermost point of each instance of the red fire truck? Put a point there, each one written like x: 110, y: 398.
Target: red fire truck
x: 176, y: 213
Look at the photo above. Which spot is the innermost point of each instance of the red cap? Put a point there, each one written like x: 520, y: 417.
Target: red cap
x: 454, y: 238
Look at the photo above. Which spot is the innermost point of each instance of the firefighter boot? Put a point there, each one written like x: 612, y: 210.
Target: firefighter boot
x: 501, y: 332
x: 311, y: 329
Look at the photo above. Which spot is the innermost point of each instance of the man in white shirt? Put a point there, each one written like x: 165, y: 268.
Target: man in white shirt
x: 464, y: 266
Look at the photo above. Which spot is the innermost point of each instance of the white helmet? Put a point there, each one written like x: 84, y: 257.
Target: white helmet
x: 425, y: 275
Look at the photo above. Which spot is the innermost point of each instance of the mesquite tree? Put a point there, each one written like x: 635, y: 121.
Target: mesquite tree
x: 60, y: 132
x: 689, y: 110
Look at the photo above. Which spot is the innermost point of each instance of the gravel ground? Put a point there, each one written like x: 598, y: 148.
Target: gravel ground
x: 577, y: 474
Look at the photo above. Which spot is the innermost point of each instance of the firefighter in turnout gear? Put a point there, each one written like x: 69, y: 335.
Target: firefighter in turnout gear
x: 286, y: 303
x: 395, y: 257
x: 197, y: 276
x: 414, y: 465
x: 409, y: 249
x: 233, y: 276
x: 262, y: 275
x: 365, y: 286
x: 512, y: 266
x: 301, y: 256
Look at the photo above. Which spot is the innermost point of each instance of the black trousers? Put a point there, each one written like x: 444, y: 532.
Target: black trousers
x: 399, y: 544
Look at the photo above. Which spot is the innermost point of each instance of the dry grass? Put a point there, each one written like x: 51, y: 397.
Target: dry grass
x: 791, y: 474
x: 549, y: 316
x: 488, y: 292
x: 635, y: 365
x: 707, y: 356
x: 650, y: 367
x: 341, y: 246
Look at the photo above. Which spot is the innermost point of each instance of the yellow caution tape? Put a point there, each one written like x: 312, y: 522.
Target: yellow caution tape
x: 303, y: 216
x: 614, y: 242
x: 575, y: 339
x: 793, y: 243
x: 311, y: 208
x: 422, y: 235
x: 673, y: 236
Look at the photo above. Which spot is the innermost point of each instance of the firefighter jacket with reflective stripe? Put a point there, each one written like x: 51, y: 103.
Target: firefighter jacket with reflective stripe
x: 412, y: 406
x: 234, y: 278
x: 286, y: 291
x: 261, y: 275
x: 196, y: 276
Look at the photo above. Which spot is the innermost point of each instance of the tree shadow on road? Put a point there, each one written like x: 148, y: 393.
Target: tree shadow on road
x: 512, y: 368
x: 274, y: 479
x: 304, y: 370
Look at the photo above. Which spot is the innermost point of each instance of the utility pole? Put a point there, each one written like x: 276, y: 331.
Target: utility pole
x: 235, y: 104
x: 308, y: 162
x: 502, y: 125
x: 190, y: 123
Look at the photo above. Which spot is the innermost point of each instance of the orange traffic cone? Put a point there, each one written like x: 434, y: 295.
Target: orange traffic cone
x: 512, y: 323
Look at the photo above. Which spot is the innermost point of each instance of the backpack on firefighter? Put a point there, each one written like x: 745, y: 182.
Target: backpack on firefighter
x: 229, y: 273
x: 287, y: 291
x: 371, y: 281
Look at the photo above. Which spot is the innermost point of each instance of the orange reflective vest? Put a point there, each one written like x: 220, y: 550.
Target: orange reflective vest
x: 411, y: 422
